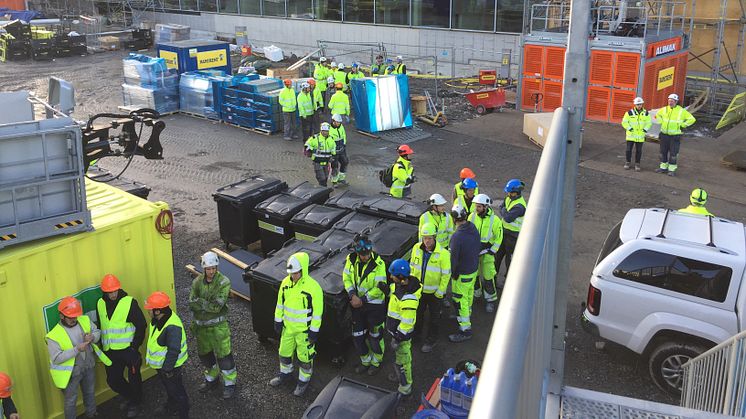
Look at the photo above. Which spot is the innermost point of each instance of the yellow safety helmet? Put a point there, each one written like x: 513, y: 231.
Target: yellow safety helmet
x: 428, y: 229
x: 698, y: 197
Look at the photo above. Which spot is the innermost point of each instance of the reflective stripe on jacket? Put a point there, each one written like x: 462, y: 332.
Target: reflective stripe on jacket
x: 490, y: 229
x: 156, y: 354
x: 339, y: 135
x: 300, y: 305
x: 322, y: 148
x: 208, y: 301
x: 287, y: 100
x: 673, y: 120
x: 339, y: 103
x: 116, y: 333
x: 516, y: 224
x: 402, y: 176
x: 437, y: 272
x: 365, y: 279
x: 320, y: 73
x: 444, y: 227
x: 402, y: 309
x: 305, y: 105
x: 61, y: 373
x: 636, y: 124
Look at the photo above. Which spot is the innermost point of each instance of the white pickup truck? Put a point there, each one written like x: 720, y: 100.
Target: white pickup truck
x: 668, y: 285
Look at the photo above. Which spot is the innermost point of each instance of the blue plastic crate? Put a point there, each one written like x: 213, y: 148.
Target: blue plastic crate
x: 239, y: 120
x: 268, y: 107
x: 267, y: 124
x: 261, y: 85
x: 239, y: 111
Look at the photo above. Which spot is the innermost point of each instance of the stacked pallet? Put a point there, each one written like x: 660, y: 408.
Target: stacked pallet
x: 254, y: 104
x: 149, y: 83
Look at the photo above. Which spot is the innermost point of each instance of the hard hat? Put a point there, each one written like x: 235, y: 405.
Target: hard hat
x: 339, y: 85
x: 157, y: 300
x: 400, y: 267
x: 305, y: 85
x: 388, y: 61
x: 355, y: 65
x: 312, y: 82
x: 362, y: 244
x: 458, y: 212
x: 330, y: 79
x: 209, y: 260
x: 436, y: 199
x: 325, y: 126
x: 674, y: 96
x: 466, y: 172
x: 404, y: 150
x: 293, y: 265
x: 514, y: 185
x: 337, y: 118
x: 110, y: 283
x: 428, y: 229
x: 398, y: 58
x: 5, y: 385
x: 638, y: 101
x: 70, y: 307
x: 334, y: 63
x: 469, y: 183
x: 482, y: 199
x: 698, y: 197
x: 341, y: 66
x: 322, y: 59
x: 287, y: 82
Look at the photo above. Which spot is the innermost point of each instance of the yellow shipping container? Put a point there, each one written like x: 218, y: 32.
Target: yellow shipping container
x: 34, y: 276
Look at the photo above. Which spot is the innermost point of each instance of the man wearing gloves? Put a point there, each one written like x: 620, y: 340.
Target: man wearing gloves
x: 404, y: 299
x: 491, y: 232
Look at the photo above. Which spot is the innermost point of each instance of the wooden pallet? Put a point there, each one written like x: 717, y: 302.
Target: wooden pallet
x: 198, y: 116
x: 367, y: 134
x: 193, y: 270
x: 255, y: 130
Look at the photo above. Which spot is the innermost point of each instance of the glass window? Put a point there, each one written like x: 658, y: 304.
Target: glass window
x: 300, y: 9
x: 207, y: 6
x: 249, y: 7
x: 228, y: 6
x: 358, y: 11
x: 509, y: 15
x: 433, y: 13
x: 677, y: 274
x: 274, y: 7
x: 189, y: 5
x: 392, y: 12
x: 476, y: 15
x: 328, y: 9
x: 171, y: 4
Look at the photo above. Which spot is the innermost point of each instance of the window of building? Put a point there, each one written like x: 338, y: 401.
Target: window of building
x: 392, y: 12
x: 478, y: 15
x: 273, y: 8
x: 300, y: 9
x: 359, y: 11
x: 677, y: 274
x: 328, y: 9
x: 433, y: 13
x: 207, y: 6
x: 249, y: 7
x: 509, y: 15
x: 228, y: 6
x: 188, y: 4
x: 171, y: 4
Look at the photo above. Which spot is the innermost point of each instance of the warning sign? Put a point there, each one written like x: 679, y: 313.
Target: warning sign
x: 172, y: 60
x: 665, y: 78
x: 211, y: 59
x: 88, y: 298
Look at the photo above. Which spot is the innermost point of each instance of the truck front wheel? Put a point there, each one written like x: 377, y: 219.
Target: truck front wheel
x: 666, y: 364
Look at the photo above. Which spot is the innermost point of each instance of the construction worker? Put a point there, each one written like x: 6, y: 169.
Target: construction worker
x: 458, y: 189
x: 390, y: 67
x: 167, y: 352
x: 364, y: 278
x: 8, y: 409
x: 636, y: 122
x: 339, y: 103
x: 378, y: 68
x: 673, y: 118
x: 403, y: 173
x: 469, y: 187
x: 71, y: 344
x: 354, y: 73
x: 330, y: 90
x: 439, y: 218
x: 208, y: 301
x: 404, y: 298
x: 289, y: 105
x: 465, y: 247
x: 320, y: 74
x: 123, y: 328
x: 511, y: 212
x: 698, y: 200
x: 318, y: 106
x: 306, y: 110
x: 399, y: 67
x: 321, y: 148
x: 340, y: 76
x: 340, y: 162
x: 300, y: 305
x: 431, y: 265
x: 491, y: 232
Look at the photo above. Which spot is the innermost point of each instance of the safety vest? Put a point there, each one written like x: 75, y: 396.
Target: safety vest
x: 402, y: 171
x: 305, y: 105
x: 636, y: 124
x: 461, y: 200
x: 399, y: 69
x: 339, y: 135
x: 156, y: 354
x: 459, y: 191
x: 340, y: 77
x: 518, y: 222
x: 320, y: 73
x: 61, y: 373
x: 402, y: 311
x: 339, y: 103
x: 116, y: 332
x: 437, y: 272
x: 287, y: 100
x: 692, y: 209
x: 490, y: 229
x: 377, y: 69
x: 444, y: 227
x: 322, y: 148
x: 364, y: 278
x: 300, y: 306
x: 318, y: 98
x: 674, y: 119
x: 352, y: 76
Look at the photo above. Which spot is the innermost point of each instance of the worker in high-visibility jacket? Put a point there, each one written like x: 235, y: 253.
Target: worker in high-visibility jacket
x: 364, y: 279
x: 404, y: 298
x: 469, y: 186
x: 390, y: 67
x: 431, y: 265
x: 340, y: 162
x: 439, y: 218
x: 399, y: 67
x: 317, y: 97
x: 340, y: 76
x: 636, y: 122
x: 339, y: 103
x: 8, y: 409
x: 320, y: 74
x: 123, y: 328
x: 354, y: 73
x: 464, y: 247
x: 378, y: 68
x: 167, y: 353
x: 289, y: 104
x: 71, y: 345
x: 490, y: 229
x: 321, y: 148
x: 306, y: 110
x: 673, y: 118
x: 511, y: 212
x: 402, y: 173
x: 458, y: 189
x: 300, y: 305
x: 697, y: 202
x: 208, y: 301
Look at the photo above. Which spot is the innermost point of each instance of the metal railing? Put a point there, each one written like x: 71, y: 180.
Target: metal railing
x: 716, y: 380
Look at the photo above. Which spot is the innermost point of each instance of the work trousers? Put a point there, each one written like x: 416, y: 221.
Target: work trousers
x: 487, y: 274
x: 177, y: 399
x: 125, y: 360
x: 296, y: 343
x: 463, y: 297
x: 214, y: 349
x: 403, y: 360
x: 367, y: 325
x: 339, y: 165
x: 432, y: 304
x: 505, y: 251
x: 321, y: 170
x: 316, y: 125
x: 289, y: 129
x: 86, y: 380
x: 669, y: 147
x: 638, y: 151
x: 306, y: 127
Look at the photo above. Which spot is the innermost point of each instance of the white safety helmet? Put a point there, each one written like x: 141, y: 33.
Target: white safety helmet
x: 337, y: 118
x: 436, y: 199
x: 305, y: 85
x: 334, y: 63
x: 293, y: 265
x: 322, y: 59
x: 341, y: 66
x: 325, y: 126
x: 330, y: 79
x: 638, y: 101
x: 398, y: 58
x: 459, y: 213
x: 209, y: 260
x: 674, y: 96
x: 482, y: 199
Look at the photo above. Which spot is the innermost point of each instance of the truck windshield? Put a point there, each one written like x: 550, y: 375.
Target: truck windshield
x: 611, y: 243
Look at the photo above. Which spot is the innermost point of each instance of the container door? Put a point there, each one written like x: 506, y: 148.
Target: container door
x: 552, y: 95
x: 554, y: 63
x: 598, y: 103
x: 601, y: 68
x: 530, y: 87
x: 621, y: 102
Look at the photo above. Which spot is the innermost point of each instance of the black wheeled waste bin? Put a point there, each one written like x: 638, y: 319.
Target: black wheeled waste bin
x: 236, y: 202
x: 336, y: 329
x: 314, y: 193
x: 394, y: 209
x: 356, y: 222
x: 273, y: 216
x: 346, y: 398
x: 393, y: 239
x: 336, y: 240
x: 315, y: 219
x: 347, y: 199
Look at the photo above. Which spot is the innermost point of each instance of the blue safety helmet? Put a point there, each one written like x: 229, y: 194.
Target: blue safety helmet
x: 355, y: 65
x: 514, y: 185
x: 469, y: 183
x: 362, y: 244
x: 399, y: 267
x: 388, y: 61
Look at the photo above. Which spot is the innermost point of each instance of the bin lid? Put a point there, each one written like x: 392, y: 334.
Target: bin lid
x: 334, y: 401
x: 311, y: 192
x: 393, y: 239
x: 390, y: 207
x: 335, y: 239
x: 318, y: 215
x: 249, y: 187
x: 281, y: 205
x: 356, y: 222
x: 274, y: 268
x: 347, y: 199
x: 329, y: 274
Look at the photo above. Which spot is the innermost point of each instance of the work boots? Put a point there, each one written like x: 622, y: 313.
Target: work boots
x: 490, y: 307
x: 373, y: 370
x: 637, y: 168
x: 360, y: 368
x: 626, y: 166
x: 229, y: 392
x: 279, y: 379
x: 207, y: 386
x: 300, y: 388
x: 427, y: 347
x: 460, y: 336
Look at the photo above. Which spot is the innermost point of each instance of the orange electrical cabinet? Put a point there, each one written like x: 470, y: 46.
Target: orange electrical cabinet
x: 554, y: 63
x: 533, y: 59
x: 13, y: 4
x: 597, y: 103
x: 621, y: 102
x: 552, y: 95
x: 530, y: 87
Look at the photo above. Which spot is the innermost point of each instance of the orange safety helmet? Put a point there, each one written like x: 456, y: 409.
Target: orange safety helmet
x: 110, y: 283
x: 157, y: 300
x: 287, y: 82
x: 404, y: 150
x: 5, y: 385
x: 312, y: 82
x: 338, y: 85
x: 466, y: 172
x: 70, y: 307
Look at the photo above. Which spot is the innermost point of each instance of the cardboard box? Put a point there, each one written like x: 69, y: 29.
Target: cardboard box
x: 419, y: 104
x: 536, y: 127
x: 110, y: 43
x: 281, y: 73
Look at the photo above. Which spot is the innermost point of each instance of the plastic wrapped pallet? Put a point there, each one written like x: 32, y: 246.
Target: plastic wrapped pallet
x: 163, y: 100
x: 144, y: 71
x: 261, y: 86
x: 381, y: 103
x: 171, y: 32
x: 196, y: 93
x: 273, y: 53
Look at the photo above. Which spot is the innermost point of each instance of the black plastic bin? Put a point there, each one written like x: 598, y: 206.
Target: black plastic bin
x: 264, y: 281
x: 394, y: 209
x: 236, y: 202
x: 347, y: 199
x: 356, y: 222
x: 336, y: 329
x: 346, y: 398
x: 273, y: 216
x: 393, y: 239
x: 314, y: 193
x: 135, y: 188
x: 336, y: 240
x: 314, y: 220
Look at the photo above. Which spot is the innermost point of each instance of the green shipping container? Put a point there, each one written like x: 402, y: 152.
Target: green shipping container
x: 34, y: 276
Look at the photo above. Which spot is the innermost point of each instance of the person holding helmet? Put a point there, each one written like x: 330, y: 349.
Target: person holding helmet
x: 469, y: 187
x: 364, y: 278
x: 322, y: 149
x: 698, y: 200
x: 317, y: 97
x: 208, y: 301
x: 339, y: 103
x: 673, y: 118
x: 439, y: 218
x: 300, y: 305
x: 431, y: 265
x: 71, y: 344
x: 320, y: 74
x: 511, y: 211
x: 340, y: 162
x: 404, y: 298
x: 402, y: 173
x: 340, y: 76
x: 123, y: 329
x: 636, y: 122
x: 306, y: 110
x: 378, y: 68
x: 289, y: 105
x: 458, y: 189
x: 167, y: 352
x: 8, y: 409
x: 491, y: 234
x: 464, y: 247
x: 399, y: 67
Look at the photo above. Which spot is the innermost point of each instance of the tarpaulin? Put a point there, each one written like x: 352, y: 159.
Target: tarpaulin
x: 381, y: 103
x: 24, y: 15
